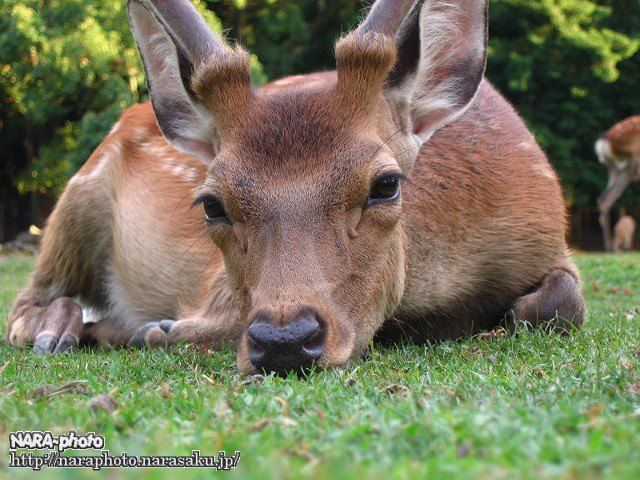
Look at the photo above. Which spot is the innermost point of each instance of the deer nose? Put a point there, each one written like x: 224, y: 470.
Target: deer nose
x: 293, y: 346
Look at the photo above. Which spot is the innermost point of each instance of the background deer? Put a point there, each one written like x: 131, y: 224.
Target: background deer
x: 619, y: 150
x: 400, y: 195
x: 623, y: 234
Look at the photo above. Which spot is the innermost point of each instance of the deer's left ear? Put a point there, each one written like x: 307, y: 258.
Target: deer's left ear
x: 442, y: 52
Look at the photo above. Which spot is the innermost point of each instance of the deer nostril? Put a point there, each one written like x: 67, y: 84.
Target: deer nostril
x: 257, y: 333
x: 314, y: 344
x: 261, y: 333
x: 291, y: 346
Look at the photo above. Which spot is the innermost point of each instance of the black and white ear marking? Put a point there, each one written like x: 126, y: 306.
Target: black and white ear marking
x: 442, y: 51
x: 183, y: 119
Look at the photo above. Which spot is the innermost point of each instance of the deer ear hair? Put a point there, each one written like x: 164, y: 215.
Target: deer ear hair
x: 197, y: 83
x: 442, y: 52
x: 183, y: 120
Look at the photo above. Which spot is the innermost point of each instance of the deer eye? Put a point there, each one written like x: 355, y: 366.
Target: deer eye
x: 213, y: 208
x: 385, y: 188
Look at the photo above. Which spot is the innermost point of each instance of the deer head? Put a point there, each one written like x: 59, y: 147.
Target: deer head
x: 303, y: 193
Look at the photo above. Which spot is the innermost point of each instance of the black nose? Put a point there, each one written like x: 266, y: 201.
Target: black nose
x: 294, y: 346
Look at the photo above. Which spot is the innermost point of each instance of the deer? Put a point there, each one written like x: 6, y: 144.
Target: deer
x: 619, y: 150
x: 623, y: 234
x: 399, y: 196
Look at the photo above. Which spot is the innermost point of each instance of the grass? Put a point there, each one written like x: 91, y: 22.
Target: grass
x: 524, y: 406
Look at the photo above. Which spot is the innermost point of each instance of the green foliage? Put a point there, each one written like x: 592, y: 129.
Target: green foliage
x: 570, y: 67
x: 69, y: 149
x: 289, y: 36
x: 67, y: 70
x: 68, y: 67
x: 63, y: 62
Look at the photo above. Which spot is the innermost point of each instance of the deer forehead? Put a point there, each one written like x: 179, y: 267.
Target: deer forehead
x: 301, y: 136
x: 308, y: 116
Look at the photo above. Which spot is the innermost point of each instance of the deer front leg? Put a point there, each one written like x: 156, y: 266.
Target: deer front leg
x: 618, y: 182
x: 55, y: 328
x: 557, y: 303
x: 214, y: 335
x: 605, y: 225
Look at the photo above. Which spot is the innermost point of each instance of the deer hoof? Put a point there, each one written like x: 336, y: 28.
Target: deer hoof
x: 45, y: 343
x: 139, y: 338
x: 68, y: 341
x: 152, y: 334
x: 166, y: 325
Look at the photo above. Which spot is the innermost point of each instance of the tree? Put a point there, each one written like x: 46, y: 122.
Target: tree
x: 67, y: 70
x: 570, y: 67
x: 69, y: 67
x: 289, y: 37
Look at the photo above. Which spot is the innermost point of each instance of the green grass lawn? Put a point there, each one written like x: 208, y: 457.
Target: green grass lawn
x: 524, y: 406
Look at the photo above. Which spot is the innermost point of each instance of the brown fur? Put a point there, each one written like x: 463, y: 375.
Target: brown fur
x: 363, y: 62
x: 462, y: 205
x: 478, y: 232
x: 625, y: 137
x: 223, y: 83
x: 559, y: 297
x: 623, y: 234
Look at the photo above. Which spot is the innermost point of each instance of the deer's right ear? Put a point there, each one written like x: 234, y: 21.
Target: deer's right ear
x: 172, y: 39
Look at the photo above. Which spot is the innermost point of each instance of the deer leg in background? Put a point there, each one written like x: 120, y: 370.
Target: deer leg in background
x: 618, y: 182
